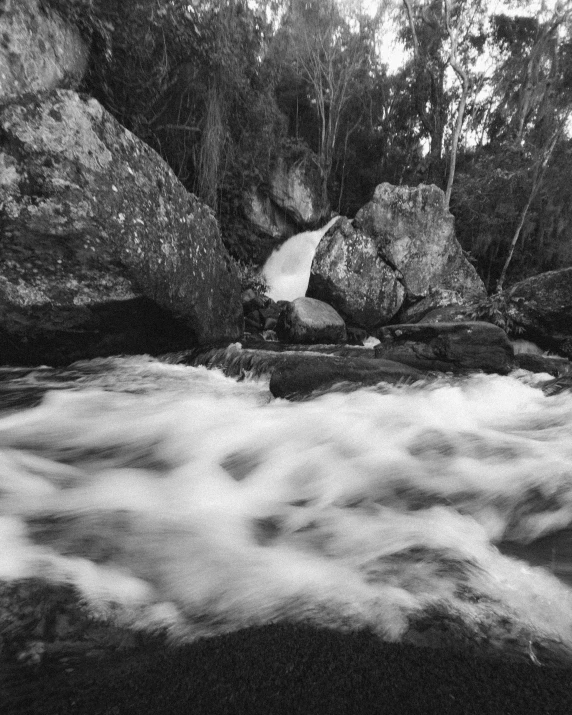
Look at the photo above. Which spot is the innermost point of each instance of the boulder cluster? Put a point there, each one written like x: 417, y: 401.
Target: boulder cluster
x: 103, y: 251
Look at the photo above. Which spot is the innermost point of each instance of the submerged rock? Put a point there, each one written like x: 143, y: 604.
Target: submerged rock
x: 349, y: 274
x: 103, y: 250
x: 542, y: 307
x: 39, y: 51
x: 447, y: 346
x: 414, y: 233
x: 307, y: 320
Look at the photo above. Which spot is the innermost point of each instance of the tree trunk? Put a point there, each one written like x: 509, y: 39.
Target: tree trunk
x: 462, y: 75
x: 538, y: 176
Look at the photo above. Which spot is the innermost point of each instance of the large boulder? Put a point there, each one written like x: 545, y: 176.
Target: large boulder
x: 542, y: 307
x: 100, y: 240
x: 456, y: 347
x: 414, y: 233
x: 268, y: 218
x: 348, y: 273
x: 296, y: 187
x: 306, y: 320
x: 292, y: 199
x: 38, y: 50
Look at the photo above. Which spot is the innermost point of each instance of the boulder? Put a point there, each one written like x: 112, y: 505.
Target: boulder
x: 296, y: 187
x: 447, y: 346
x: 306, y: 320
x: 447, y: 314
x: 555, y: 366
x: 291, y: 200
x: 542, y: 307
x: 305, y: 373
x: 348, y: 273
x: 266, y: 217
x: 39, y: 51
x: 436, y: 299
x: 298, y: 370
x: 414, y: 233
x: 103, y: 250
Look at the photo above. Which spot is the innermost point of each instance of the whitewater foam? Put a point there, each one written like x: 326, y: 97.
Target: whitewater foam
x: 287, y: 270
x: 194, y: 501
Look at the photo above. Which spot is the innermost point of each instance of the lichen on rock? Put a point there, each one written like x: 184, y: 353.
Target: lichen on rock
x: 91, y: 216
x: 415, y: 234
x: 39, y: 51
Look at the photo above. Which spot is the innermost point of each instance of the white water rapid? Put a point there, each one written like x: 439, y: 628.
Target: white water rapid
x: 287, y: 270
x: 192, y: 501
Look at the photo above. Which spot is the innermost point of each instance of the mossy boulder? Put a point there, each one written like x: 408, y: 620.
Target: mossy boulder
x: 542, y: 307
x: 103, y: 250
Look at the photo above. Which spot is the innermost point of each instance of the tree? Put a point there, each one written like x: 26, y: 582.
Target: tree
x: 327, y: 57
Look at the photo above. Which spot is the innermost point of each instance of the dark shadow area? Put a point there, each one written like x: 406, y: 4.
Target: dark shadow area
x: 289, y: 669
x: 128, y: 327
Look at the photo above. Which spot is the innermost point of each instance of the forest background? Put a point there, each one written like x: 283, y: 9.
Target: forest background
x: 474, y: 96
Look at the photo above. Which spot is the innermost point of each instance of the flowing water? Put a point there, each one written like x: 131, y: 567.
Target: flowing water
x: 180, y: 498
x: 287, y: 270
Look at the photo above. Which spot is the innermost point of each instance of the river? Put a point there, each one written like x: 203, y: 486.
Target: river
x: 186, y: 500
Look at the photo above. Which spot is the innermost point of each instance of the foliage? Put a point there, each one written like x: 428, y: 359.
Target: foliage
x: 250, y: 277
x: 222, y: 89
x: 499, y: 310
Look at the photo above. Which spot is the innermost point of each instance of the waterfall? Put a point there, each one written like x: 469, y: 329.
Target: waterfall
x: 287, y: 271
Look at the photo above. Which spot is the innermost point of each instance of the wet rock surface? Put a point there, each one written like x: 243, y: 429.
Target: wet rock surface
x: 447, y: 346
x: 307, y: 320
x: 306, y: 373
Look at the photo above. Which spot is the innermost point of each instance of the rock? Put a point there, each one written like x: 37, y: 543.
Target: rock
x: 39, y: 51
x: 266, y: 217
x: 436, y: 299
x: 542, y: 307
x: 306, y: 320
x: 447, y: 314
x: 291, y: 200
x: 447, y: 346
x: 348, y: 273
x: 296, y: 187
x: 307, y: 372
x: 298, y: 370
x: 103, y: 250
x: 414, y: 234
x: 557, y: 367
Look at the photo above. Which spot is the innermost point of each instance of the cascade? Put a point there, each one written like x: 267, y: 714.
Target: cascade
x: 287, y: 270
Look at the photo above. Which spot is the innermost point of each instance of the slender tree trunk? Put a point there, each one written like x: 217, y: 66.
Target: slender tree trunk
x: 538, y: 176
x: 462, y: 75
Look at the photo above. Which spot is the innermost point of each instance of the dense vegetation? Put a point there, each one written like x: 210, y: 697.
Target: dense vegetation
x: 480, y: 106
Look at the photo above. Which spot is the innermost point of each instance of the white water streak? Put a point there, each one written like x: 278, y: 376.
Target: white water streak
x: 287, y: 270
x: 202, y: 498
